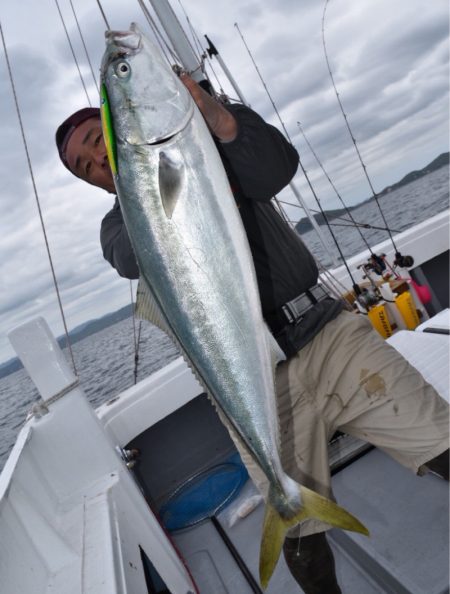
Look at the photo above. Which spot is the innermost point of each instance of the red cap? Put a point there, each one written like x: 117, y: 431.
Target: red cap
x: 67, y: 128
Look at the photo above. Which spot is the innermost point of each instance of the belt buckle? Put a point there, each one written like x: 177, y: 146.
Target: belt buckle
x: 318, y: 292
x: 296, y: 309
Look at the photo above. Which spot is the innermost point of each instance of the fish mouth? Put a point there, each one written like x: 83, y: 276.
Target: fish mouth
x: 166, y: 139
x: 128, y: 41
x: 162, y: 140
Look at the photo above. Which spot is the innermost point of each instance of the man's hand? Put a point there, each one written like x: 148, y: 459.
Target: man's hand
x: 220, y: 121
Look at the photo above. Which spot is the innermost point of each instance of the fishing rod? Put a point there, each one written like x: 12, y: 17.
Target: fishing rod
x: 347, y: 210
x: 296, y: 193
x: 376, y: 263
x: 356, y: 288
x: 369, y: 300
x: 401, y: 261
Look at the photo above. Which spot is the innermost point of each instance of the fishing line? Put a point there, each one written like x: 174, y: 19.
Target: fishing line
x: 84, y: 45
x: 22, y: 130
x: 356, y: 287
x: 73, y: 52
x: 375, y: 195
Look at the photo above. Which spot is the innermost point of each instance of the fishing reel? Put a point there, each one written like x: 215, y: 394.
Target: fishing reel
x: 367, y: 297
x: 376, y: 264
x: 403, y: 261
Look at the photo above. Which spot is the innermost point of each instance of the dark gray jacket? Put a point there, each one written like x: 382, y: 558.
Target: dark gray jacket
x: 259, y: 163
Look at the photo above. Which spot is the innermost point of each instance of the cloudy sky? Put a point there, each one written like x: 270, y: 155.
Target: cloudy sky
x: 389, y: 59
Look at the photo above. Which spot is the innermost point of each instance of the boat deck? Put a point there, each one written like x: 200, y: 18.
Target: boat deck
x: 408, y: 516
x: 73, y: 516
x: 407, y: 552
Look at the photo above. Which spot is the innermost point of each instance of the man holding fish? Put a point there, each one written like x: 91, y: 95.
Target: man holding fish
x: 201, y: 263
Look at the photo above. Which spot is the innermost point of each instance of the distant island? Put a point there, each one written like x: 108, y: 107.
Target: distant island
x: 93, y: 326
x: 305, y: 225
x: 78, y: 333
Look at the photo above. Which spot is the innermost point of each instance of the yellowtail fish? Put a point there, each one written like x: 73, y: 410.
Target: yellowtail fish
x: 196, y: 266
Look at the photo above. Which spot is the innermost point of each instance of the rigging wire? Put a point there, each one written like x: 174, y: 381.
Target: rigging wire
x: 355, y: 285
x: 84, y: 45
x: 73, y: 52
x: 203, y: 55
x: 165, y: 48
x: 375, y: 195
x: 103, y: 15
x: 354, y: 223
x: 200, y: 54
x: 22, y: 130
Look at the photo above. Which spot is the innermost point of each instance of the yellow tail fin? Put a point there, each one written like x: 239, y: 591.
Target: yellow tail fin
x: 275, y: 527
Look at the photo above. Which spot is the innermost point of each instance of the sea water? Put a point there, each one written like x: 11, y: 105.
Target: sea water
x: 106, y: 360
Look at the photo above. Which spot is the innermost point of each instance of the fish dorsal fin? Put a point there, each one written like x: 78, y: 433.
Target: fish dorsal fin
x: 171, y: 180
x: 148, y: 309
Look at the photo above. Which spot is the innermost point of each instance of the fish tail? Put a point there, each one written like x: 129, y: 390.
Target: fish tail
x: 275, y: 527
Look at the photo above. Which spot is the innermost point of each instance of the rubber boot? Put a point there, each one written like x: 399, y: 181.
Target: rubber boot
x: 440, y: 465
x: 311, y: 563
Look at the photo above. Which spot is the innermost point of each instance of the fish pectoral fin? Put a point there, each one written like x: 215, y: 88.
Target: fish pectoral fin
x: 171, y: 176
x: 275, y: 527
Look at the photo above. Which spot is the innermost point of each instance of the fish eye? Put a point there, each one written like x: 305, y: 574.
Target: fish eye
x: 122, y: 69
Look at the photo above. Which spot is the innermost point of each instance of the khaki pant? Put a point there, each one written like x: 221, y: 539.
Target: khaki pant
x: 349, y: 378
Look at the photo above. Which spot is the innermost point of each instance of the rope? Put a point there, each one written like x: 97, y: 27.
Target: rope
x: 22, y: 130
x: 375, y: 195
x: 73, y: 52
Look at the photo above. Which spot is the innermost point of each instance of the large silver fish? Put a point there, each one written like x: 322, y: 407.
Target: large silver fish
x: 196, y: 264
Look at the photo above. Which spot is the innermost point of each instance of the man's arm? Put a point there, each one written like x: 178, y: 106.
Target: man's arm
x: 261, y: 159
x: 116, y: 244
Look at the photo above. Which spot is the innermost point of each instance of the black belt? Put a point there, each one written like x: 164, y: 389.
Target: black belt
x: 295, y: 310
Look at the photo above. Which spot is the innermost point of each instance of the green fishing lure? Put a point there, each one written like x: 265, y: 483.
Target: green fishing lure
x: 108, y: 130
